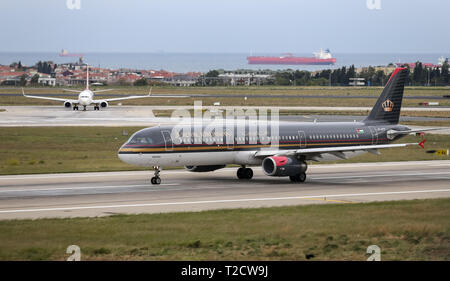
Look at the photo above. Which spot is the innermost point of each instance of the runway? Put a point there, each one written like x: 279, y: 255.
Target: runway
x: 145, y: 117
x: 100, y: 194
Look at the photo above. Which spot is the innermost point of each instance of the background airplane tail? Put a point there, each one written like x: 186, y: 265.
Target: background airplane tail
x: 87, y: 77
x: 387, y: 108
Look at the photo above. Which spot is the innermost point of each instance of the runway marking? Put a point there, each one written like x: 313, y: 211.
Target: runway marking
x: 328, y: 200
x: 220, y: 201
x: 84, y: 175
x: 381, y: 175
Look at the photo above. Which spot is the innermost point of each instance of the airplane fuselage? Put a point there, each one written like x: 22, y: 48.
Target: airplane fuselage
x: 85, y: 98
x: 157, y: 146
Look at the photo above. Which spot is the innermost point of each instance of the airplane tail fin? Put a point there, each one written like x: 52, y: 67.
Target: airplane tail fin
x: 87, y: 77
x: 387, y: 108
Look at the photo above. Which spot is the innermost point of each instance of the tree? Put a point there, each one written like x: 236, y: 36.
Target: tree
x: 23, y: 80
x: 444, y: 73
x: 141, y: 82
x: 35, y: 79
x: 212, y: 73
x: 418, y: 74
x: 39, y: 66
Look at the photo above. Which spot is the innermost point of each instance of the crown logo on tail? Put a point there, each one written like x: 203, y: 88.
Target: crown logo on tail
x: 387, y: 105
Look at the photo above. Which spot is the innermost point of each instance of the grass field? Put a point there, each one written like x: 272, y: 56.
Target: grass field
x: 248, y: 91
x: 25, y: 150
x: 404, y: 230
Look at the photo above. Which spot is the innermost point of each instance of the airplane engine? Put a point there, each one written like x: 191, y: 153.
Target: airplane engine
x: 67, y: 104
x: 104, y: 104
x: 283, y: 166
x: 208, y: 168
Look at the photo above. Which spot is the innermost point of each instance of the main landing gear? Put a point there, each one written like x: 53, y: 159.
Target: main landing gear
x: 156, y: 179
x: 75, y: 107
x: 244, y: 173
x: 300, y: 177
x: 96, y: 107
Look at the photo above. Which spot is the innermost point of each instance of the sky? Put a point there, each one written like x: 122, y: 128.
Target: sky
x: 226, y: 26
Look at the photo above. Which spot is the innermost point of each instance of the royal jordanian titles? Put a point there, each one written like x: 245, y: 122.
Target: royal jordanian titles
x: 86, y: 97
x: 296, y: 142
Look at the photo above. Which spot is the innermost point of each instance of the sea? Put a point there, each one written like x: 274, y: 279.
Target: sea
x: 203, y: 62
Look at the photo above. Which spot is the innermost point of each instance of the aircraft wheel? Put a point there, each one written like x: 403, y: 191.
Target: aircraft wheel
x: 156, y: 180
x: 245, y: 173
x: 248, y: 173
x: 240, y: 173
x: 298, y: 178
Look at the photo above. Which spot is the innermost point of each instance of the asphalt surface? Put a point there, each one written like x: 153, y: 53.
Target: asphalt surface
x: 101, y: 194
x: 144, y: 116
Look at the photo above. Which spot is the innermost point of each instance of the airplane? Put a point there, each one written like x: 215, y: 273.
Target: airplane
x: 86, y: 97
x: 297, y: 142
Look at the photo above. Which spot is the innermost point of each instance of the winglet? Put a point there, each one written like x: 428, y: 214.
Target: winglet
x: 23, y: 93
x: 150, y: 92
x: 422, y: 143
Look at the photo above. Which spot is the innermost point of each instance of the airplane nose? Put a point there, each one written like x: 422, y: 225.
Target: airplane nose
x: 123, y: 156
x: 128, y: 158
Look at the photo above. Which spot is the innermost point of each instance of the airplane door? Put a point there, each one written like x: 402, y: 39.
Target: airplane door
x: 302, y: 139
x: 167, y: 140
x: 374, y: 134
x: 229, y: 138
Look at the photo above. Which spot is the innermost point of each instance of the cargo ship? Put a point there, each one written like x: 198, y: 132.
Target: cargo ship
x: 320, y: 58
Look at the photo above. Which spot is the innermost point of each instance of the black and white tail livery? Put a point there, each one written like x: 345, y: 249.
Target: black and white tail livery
x: 387, y: 108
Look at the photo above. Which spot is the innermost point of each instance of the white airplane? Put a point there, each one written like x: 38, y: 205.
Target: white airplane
x: 86, y: 97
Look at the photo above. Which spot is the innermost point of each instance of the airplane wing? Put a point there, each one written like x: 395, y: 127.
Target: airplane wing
x: 315, y: 153
x: 139, y: 97
x: 75, y: 91
x: 407, y: 132
x: 49, y: 98
x: 105, y: 90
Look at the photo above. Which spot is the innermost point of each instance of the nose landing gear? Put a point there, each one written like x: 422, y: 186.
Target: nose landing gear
x: 156, y: 179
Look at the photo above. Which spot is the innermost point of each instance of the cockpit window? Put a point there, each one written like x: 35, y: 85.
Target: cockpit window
x: 141, y: 140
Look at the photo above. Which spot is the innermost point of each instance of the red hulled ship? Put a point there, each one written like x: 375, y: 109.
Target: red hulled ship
x: 320, y: 58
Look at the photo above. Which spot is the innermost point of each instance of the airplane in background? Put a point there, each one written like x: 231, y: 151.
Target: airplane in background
x: 86, y: 97
x: 296, y: 142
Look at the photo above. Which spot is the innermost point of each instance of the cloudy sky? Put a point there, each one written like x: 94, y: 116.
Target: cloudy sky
x: 230, y: 26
